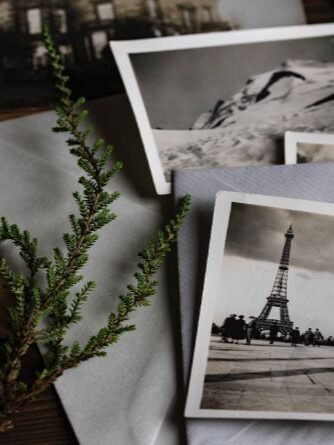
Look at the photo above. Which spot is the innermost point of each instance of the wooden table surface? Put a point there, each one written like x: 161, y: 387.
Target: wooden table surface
x: 44, y: 421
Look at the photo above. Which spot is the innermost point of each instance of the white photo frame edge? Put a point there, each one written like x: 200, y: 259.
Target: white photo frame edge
x: 122, y: 51
x: 212, y: 282
x: 293, y: 138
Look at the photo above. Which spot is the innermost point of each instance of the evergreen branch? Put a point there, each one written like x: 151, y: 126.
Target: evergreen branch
x: 45, y: 293
x: 27, y: 246
x: 138, y: 295
x: 62, y: 271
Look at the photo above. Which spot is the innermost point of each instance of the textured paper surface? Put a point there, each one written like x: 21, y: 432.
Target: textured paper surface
x: 312, y: 182
x: 126, y: 397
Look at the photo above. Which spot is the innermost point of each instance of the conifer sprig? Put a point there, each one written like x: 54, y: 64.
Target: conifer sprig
x: 45, y: 293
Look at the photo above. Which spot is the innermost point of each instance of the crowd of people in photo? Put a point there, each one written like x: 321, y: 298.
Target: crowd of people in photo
x: 236, y: 329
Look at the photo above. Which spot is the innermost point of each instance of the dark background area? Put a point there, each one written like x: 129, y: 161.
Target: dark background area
x: 81, y: 30
x: 82, y: 34
x: 319, y: 11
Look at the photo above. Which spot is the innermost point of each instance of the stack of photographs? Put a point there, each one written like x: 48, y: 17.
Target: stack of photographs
x: 226, y: 99
x: 264, y: 345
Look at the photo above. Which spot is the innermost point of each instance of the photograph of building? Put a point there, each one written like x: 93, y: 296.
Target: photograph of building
x: 82, y: 29
x: 278, y: 296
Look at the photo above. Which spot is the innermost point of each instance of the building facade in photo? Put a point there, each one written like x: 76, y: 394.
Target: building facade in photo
x: 83, y: 28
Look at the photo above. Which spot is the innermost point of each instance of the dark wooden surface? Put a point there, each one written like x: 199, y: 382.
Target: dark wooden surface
x: 319, y: 11
x: 12, y: 114
x: 44, y: 421
x: 42, y: 424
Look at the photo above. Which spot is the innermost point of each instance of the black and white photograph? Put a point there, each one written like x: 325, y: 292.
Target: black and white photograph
x: 265, y: 343
x: 303, y: 148
x: 82, y: 29
x: 227, y: 99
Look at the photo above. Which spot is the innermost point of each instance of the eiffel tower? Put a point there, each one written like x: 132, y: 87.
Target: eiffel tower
x: 278, y: 296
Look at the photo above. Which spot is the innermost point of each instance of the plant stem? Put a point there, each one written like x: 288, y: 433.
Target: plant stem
x: 33, y: 304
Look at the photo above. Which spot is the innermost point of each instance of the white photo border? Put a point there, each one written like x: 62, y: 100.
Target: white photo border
x: 293, y: 138
x: 214, y: 286
x: 122, y: 51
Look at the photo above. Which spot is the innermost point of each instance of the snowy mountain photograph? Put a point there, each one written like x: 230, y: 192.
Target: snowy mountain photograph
x: 230, y: 104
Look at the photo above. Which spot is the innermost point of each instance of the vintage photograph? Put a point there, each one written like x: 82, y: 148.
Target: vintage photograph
x: 82, y: 29
x: 265, y: 343
x: 227, y: 99
x: 301, y: 148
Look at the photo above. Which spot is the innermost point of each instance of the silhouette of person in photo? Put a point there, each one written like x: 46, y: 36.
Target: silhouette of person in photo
x: 228, y: 328
x: 295, y: 336
x: 250, y: 330
x: 308, y: 337
x: 273, y: 331
x: 239, y: 329
x: 317, y: 338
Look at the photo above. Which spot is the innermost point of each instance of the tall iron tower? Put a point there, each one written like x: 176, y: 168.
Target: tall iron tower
x: 278, y: 297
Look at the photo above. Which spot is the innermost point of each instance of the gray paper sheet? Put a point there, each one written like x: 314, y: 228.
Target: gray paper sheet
x: 126, y: 397
x: 309, y: 181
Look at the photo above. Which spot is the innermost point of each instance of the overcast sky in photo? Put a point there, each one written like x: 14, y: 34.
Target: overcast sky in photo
x: 254, y: 245
x: 178, y: 86
x: 258, y: 232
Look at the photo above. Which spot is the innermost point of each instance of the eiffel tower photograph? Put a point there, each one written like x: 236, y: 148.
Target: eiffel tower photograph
x: 278, y: 295
x: 272, y: 332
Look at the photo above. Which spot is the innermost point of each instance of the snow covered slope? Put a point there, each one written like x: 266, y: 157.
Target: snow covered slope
x: 248, y: 128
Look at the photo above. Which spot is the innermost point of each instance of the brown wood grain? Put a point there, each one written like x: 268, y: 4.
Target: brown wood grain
x: 6, y: 115
x: 44, y: 421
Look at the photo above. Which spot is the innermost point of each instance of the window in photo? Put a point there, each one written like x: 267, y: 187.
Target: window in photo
x: 206, y: 14
x: 88, y: 48
x: 152, y: 8
x: 100, y: 40
x: 105, y: 11
x: 40, y: 57
x: 61, y: 20
x: 188, y: 17
x: 34, y: 19
x: 66, y: 53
